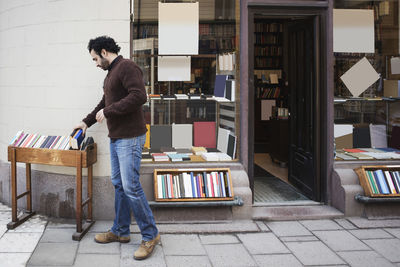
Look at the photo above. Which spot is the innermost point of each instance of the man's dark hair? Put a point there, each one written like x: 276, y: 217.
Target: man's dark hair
x: 103, y: 42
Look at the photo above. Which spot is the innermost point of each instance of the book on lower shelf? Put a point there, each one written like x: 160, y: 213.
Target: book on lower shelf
x: 193, y: 184
x: 380, y: 181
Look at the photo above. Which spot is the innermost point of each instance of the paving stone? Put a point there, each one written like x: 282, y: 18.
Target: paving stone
x: 157, y: 258
x: 365, y: 223
x: 4, y: 207
x: 262, y: 226
x: 314, y: 253
x: 280, y: 260
x: 62, y: 224
x: 209, y: 228
x: 19, y: 242
x: 345, y: 224
x: 187, y: 261
x: 321, y: 225
x: 394, y: 231
x: 88, y: 245
x: 36, y: 224
x: 218, y: 239
x: 54, y: 254
x: 14, y: 259
x: 101, y: 226
x: 340, y: 240
x: 60, y: 235
x: 229, y: 255
x: 298, y: 238
x: 389, y: 248
x: 262, y: 243
x: 370, y: 234
x: 182, y: 245
x: 288, y: 229
x: 3, y: 229
x: 364, y: 259
x: 98, y: 260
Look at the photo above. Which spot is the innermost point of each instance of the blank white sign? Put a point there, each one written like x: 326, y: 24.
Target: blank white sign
x: 178, y: 28
x: 174, y: 68
x: 359, y: 77
x: 353, y: 31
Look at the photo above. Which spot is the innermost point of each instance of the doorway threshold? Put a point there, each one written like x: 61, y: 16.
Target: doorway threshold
x: 287, y: 203
x: 295, y: 212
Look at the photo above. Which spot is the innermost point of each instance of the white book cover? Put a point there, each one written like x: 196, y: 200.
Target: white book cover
x: 40, y: 141
x: 159, y: 186
x: 222, y: 141
x: 32, y: 141
x: 390, y: 182
x: 215, y: 183
x: 17, y: 135
x: 182, y: 135
x: 378, y: 135
x: 59, y: 141
x: 221, y: 175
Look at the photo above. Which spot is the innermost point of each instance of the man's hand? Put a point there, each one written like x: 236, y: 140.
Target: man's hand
x: 82, y: 126
x: 100, y: 116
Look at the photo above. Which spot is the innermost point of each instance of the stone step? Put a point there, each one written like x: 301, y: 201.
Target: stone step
x: 291, y: 213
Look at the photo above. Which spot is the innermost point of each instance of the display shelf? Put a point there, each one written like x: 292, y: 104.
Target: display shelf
x: 370, y: 183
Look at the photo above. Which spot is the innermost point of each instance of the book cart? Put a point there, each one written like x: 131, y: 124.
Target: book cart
x: 365, y: 182
x: 69, y: 158
x: 226, y: 171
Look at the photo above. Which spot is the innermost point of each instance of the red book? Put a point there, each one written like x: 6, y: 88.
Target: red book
x: 204, y: 134
x: 27, y: 140
x: 171, y: 185
x: 212, y: 185
x: 354, y: 150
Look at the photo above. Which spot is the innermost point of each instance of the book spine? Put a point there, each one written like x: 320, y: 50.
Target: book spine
x: 34, y: 136
x: 396, y: 185
x: 16, y: 137
x: 382, y: 181
x: 205, y: 182
x: 221, y: 176
x: 198, y: 186
x: 28, y: 138
x: 164, y: 193
x: 35, y: 141
x: 211, y: 184
x: 371, y: 182
x: 390, y: 182
x: 228, y: 184
x: 159, y: 187
x: 171, y: 186
x: 192, y: 184
x: 181, y: 185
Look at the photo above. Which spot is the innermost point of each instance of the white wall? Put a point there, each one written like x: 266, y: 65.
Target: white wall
x: 48, y: 81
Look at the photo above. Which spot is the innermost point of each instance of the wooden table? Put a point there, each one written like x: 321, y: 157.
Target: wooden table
x: 70, y: 158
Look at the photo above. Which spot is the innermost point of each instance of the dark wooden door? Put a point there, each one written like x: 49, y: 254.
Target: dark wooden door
x: 302, y: 84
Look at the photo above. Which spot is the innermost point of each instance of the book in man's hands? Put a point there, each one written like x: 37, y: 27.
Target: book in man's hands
x: 76, y: 139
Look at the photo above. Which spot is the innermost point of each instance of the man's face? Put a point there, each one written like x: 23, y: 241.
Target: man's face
x: 101, y: 62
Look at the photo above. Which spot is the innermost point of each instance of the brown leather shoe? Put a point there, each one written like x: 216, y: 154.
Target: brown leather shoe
x: 146, y: 248
x: 110, y: 237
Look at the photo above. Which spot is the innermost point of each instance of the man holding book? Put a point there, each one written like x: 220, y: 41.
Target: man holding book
x: 121, y: 104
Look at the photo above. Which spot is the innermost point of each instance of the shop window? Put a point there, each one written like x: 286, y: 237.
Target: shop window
x: 192, y: 99
x: 366, y: 80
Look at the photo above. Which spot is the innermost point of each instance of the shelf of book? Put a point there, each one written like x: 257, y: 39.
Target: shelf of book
x: 70, y: 158
x: 380, y: 181
x: 204, y: 184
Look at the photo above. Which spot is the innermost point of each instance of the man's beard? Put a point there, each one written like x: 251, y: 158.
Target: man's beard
x: 104, y: 63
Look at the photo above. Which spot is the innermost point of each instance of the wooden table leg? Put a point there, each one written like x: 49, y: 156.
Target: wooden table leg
x: 28, y: 188
x: 15, y: 221
x: 13, y: 187
x: 78, y: 192
x: 90, y: 192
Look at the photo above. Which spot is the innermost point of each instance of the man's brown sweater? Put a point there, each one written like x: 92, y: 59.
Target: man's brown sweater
x: 122, y: 101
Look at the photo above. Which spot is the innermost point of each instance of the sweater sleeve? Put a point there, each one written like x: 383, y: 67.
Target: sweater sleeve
x: 91, y: 117
x: 132, y: 79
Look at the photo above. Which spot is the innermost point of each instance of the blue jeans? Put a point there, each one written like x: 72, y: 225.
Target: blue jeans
x: 126, y: 155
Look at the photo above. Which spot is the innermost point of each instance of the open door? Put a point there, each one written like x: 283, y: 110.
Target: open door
x: 302, y: 77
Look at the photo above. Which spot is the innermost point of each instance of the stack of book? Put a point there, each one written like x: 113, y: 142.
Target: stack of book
x: 384, y: 182
x: 198, y: 150
x: 160, y: 157
x: 22, y: 139
x: 194, y: 185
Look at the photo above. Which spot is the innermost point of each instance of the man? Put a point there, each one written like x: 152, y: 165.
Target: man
x: 121, y: 105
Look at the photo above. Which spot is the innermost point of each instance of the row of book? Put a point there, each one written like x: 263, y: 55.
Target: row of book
x: 268, y: 27
x: 217, y: 29
x: 269, y: 92
x: 196, y: 154
x: 367, y: 153
x: 194, y: 185
x: 73, y: 141
x: 268, y: 62
x: 384, y: 182
x: 263, y: 39
x: 268, y: 51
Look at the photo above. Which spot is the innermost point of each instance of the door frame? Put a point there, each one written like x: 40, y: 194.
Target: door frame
x: 322, y: 24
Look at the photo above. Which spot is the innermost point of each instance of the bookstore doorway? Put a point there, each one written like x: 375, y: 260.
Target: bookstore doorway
x: 286, y: 110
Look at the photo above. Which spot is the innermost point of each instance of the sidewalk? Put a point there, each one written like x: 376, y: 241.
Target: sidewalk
x: 340, y: 242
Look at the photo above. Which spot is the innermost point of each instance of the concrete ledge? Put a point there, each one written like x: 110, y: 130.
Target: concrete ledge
x: 237, y: 201
x: 291, y: 213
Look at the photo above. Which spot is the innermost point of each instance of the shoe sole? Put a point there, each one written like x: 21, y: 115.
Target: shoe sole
x: 120, y: 241
x: 157, y: 242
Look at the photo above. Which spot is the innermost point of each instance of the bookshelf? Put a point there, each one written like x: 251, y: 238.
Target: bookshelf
x: 69, y: 158
x: 208, y: 184
x: 372, y: 182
